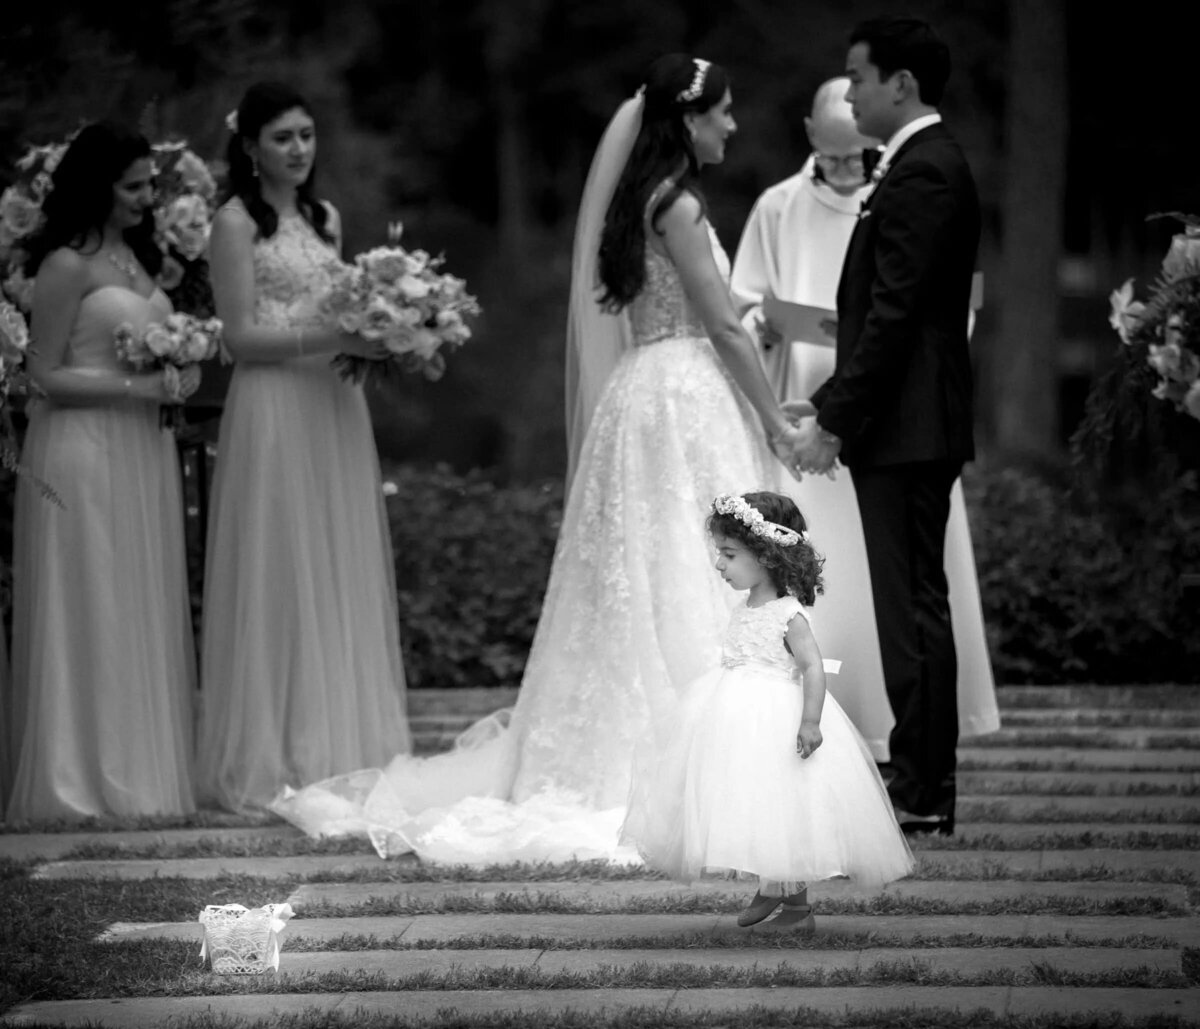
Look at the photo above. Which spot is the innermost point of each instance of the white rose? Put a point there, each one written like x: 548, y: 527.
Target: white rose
x: 159, y: 340
x: 184, y: 223
x: 412, y: 288
x: 381, y: 319
x: 19, y: 215
x: 1191, y: 400
x: 14, y: 334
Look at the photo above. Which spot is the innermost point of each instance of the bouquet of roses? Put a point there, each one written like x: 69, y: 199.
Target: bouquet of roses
x: 173, y: 344
x: 21, y: 216
x: 400, y: 298
x: 1166, y: 327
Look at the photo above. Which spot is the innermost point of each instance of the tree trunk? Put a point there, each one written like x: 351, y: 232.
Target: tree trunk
x: 1025, y: 364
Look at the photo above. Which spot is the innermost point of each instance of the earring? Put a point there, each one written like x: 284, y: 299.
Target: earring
x: 254, y: 166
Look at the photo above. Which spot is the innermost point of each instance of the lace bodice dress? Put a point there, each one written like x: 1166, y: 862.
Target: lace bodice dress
x: 301, y: 667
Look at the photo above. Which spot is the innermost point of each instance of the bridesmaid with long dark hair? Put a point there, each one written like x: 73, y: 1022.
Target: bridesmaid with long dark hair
x: 300, y: 664
x: 103, y: 664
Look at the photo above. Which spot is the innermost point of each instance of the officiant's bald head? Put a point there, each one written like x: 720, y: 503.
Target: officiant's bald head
x: 837, y: 144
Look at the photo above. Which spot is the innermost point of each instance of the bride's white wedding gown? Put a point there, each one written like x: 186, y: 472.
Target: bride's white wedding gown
x: 634, y: 610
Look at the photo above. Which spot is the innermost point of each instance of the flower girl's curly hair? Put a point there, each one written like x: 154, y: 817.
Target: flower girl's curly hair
x: 794, y: 569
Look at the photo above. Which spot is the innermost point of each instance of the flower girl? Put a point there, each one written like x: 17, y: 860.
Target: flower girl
x: 756, y: 773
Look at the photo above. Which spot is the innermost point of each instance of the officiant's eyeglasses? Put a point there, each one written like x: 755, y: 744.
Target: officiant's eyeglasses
x: 831, y: 164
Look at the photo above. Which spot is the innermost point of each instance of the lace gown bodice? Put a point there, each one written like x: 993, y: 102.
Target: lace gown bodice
x: 756, y: 635
x: 293, y: 271
x: 662, y: 310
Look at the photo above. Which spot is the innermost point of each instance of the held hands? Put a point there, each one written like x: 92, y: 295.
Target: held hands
x: 808, y: 739
x: 814, y: 450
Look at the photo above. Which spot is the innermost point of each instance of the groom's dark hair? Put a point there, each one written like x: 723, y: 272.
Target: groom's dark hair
x: 900, y: 43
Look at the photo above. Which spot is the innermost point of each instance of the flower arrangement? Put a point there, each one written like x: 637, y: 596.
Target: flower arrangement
x: 21, y: 216
x: 1166, y: 327
x: 400, y: 298
x: 185, y: 193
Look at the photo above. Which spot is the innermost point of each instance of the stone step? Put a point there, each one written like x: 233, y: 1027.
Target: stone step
x: 1084, y: 737
x: 1142, y: 697
x: 991, y: 781
x: 1101, y: 718
x: 623, y: 894
x: 586, y: 930
x: 1034, y: 808
x: 832, y: 1001
x: 977, y: 758
x: 964, y: 961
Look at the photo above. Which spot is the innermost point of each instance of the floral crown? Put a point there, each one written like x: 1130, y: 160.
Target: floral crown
x: 752, y: 518
x: 696, y: 86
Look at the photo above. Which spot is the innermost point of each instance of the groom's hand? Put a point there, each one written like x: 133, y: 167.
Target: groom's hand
x: 814, y: 449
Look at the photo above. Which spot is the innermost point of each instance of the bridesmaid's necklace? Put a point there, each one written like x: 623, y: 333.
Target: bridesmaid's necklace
x: 126, y: 264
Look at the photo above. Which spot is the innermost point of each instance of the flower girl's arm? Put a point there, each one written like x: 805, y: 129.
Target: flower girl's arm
x: 231, y: 268
x: 63, y: 280
x: 807, y: 656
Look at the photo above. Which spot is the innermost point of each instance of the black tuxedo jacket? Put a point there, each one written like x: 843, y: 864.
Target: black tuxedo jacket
x: 901, y: 390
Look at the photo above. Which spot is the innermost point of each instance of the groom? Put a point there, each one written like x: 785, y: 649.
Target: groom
x: 897, y: 410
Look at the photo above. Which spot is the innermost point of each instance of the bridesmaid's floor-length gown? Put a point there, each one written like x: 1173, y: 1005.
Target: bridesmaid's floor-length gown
x: 103, y: 665
x: 300, y: 663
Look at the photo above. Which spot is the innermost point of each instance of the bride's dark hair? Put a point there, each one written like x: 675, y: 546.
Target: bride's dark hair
x: 663, y: 150
x: 82, y: 198
x: 262, y: 104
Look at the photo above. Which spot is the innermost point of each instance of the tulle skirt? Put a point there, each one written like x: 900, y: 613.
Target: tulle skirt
x: 722, y: 789
x: 301, y: 670
x: 103, y: 665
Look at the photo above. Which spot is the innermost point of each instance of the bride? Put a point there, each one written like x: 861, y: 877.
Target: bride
x: 668, y: 406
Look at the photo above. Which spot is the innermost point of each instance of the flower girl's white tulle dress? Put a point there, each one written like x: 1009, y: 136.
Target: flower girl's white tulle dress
x: 633, y: 612
x: 721, y: 788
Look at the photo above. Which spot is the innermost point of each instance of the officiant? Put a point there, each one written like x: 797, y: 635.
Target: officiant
x: 795, y: 239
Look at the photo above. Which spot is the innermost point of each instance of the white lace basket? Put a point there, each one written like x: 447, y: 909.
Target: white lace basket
x: 240, y: 941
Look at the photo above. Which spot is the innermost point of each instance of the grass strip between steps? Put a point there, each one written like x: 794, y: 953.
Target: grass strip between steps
x: 152, y: 968
x: 752, y: 1016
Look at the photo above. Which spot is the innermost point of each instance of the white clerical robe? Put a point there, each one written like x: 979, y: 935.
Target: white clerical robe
x: 792, y: 248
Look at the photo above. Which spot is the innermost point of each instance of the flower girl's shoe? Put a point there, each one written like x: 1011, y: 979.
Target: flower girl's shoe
x: 796, y: 915
x: 758, y: 909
